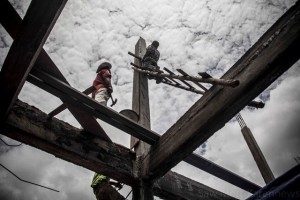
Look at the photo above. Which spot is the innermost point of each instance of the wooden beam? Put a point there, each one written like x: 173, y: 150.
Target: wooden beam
x: 29, y: 125
x: 87, y: 104
x: 137, y: 131
x: 128, y: 126
x: 11, y: 21
x: 220, y: 172
x: 140, y: 104
x: 173, y: 186
x: 34, y: 30
x: 63, y: 106
x: 274, y: 53
x: 258, y: 156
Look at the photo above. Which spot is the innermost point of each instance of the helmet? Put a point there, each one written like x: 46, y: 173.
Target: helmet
x: 105, y: 65
x: 155, y: 43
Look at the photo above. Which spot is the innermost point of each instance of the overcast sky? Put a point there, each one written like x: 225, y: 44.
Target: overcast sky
x: 195, y: 36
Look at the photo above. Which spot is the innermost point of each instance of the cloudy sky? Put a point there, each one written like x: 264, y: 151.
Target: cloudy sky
x: 195, y: 36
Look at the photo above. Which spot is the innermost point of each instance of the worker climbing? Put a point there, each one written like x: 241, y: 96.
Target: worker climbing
x: 102, y: 185
x: 150, y: 60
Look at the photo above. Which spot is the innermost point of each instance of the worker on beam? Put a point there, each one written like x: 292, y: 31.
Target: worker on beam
x: 102, y: 185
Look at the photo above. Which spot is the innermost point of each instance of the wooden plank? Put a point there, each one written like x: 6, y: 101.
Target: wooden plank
x: 29, y: 125
x: 140, y: 104
x: 134, y: 129
x: 258, y: 155
x: 220, y: 172
x: 34, y: 30
x: 174, y: 186
x: 44, y: 62
x: 87, y: 104
x: 62, y: 107
x: 270, y: 57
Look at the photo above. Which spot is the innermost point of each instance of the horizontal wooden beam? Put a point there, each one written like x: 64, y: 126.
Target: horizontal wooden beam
x: 29, y: 125
x: 62, y: 107
x: 270, y: 57
x: 32, y: 34
x: 222, y: 173
x: 11, y: 21
x: 174, y: 186
x: 125, y: 124
x: 87, y: 104
x: 134, y: 129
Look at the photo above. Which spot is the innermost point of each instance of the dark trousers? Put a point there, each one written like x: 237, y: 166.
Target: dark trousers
x: 104, y: 191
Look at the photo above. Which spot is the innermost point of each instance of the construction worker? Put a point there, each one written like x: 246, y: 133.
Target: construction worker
x: 102, y: 185
x: 150, y: 60
x: 102, y: 83
x: 103, y: 190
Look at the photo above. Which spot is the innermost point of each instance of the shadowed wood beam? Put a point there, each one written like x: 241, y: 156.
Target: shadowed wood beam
x: 11, y: 21
x: 87, y: 104
x: 29, y: 125
x: 220, y: 172
x: 62, y: 107
x: 32, y: 34
x: 115, y: 119
x: 274, y: 53
x: 140, y: 105
x: 174, y: 186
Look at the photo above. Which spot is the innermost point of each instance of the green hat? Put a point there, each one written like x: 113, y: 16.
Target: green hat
x: 104, y: 65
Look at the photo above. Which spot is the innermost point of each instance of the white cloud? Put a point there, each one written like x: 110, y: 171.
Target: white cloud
x: 195, y: 36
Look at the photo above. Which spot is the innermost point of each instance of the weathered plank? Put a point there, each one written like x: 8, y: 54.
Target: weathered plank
x: 134, y: 129
x: 87, y: 104
x: 274, y: 53
x: 62, y: 107
x: 11, y: 21
x: 32, y: 34
x: 220, y: 172
x: 31, y: 126
x: 140, y: 104
x: 258, y: 156
x: 173, y: 186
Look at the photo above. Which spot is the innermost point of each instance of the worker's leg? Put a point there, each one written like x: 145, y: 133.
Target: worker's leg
x: 107, y: 192
x: 102, y: 96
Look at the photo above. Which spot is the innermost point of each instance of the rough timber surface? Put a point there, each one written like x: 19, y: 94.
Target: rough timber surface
x: 274, y: 53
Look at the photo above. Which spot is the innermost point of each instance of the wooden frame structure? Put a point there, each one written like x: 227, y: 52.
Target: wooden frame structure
x: 147, y: 169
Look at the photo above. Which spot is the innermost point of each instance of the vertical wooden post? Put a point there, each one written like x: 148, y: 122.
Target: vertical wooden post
x: 258, y: 155
x: 140, y: 104
x: 256, y: 152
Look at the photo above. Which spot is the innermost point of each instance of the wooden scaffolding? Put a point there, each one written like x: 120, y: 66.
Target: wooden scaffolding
x: 147, y: 167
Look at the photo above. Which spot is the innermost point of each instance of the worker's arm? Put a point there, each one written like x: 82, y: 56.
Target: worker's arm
x: 117, y: 184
